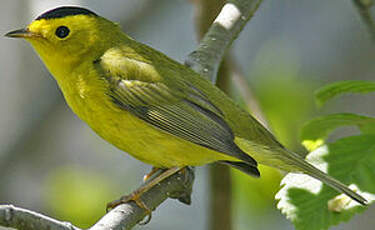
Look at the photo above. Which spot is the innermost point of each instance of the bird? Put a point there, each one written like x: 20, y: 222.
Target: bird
x: 146, y: 104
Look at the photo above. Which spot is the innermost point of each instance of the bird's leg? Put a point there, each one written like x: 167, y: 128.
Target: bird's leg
x: 136, y: 195
x: 150, y: 174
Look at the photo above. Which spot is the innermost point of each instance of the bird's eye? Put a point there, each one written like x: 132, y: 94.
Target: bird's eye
x: 62, y: 31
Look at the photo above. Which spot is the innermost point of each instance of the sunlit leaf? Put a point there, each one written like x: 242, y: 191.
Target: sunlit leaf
x: 311, y: 205
x: 327, y: 92
x: 316, y: 131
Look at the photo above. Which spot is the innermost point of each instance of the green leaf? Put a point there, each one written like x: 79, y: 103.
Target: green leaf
x: 316, y: 131
x: 305, y: 201
x: 327, y: 92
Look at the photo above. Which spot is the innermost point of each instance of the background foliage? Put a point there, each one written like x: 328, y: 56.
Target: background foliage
x: 304, y: 200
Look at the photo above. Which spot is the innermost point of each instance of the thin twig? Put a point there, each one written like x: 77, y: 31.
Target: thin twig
x: 242, y: 85
x: 363, y: 7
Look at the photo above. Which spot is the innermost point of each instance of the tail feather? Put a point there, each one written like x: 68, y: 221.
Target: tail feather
x: 312, y: 171
x: 337, y: 185
x: 244, y: 167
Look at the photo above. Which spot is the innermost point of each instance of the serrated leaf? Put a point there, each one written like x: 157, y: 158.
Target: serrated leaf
x: 305, y: 201
x: 315, y: 132
x: 327, y: 92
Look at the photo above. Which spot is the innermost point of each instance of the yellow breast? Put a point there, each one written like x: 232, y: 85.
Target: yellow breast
x: 86, y: 94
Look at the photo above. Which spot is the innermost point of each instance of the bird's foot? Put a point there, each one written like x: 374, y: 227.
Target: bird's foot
x: 136, y: 195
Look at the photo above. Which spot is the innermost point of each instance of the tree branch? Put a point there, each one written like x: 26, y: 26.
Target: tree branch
x: 24, y: 219
x: 363, y: 7
x: 125, y: 216
x: 220, y: 181
x: 225, y: 29
x: 241, y: 84
x: 205, y: 60
x: 220, y: 178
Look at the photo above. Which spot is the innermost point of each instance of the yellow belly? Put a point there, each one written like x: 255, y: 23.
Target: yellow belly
x: 136, y: 137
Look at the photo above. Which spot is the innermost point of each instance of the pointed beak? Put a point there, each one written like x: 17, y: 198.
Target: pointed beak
x: 22, y: 33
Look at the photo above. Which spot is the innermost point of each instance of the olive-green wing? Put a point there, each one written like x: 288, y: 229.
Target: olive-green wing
x: 184, y: 117
x: 180, y: 110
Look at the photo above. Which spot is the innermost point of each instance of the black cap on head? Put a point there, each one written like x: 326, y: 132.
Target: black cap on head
x: 64, y: 11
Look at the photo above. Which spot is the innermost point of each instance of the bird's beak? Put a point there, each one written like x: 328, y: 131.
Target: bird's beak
x: 22, y: 33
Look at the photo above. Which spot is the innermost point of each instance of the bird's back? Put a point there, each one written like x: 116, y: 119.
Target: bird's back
x: 252, y: 137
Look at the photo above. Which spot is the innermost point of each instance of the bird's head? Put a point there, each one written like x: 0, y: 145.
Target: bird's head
x: 68, y: 35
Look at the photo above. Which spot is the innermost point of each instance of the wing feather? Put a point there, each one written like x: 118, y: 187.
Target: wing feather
x: 184, y: 112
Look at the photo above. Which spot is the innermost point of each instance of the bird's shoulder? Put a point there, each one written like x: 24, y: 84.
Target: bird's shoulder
x: 142, y: 70
x: 128, y: 64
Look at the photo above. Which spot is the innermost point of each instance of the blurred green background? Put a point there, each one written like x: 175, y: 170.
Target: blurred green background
x: 53, y: 163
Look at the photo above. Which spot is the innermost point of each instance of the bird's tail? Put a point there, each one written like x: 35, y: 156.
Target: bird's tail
x: 286, y: 160
x: 312, y: 171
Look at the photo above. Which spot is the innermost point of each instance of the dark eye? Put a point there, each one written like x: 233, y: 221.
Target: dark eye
x: 62, y: 31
